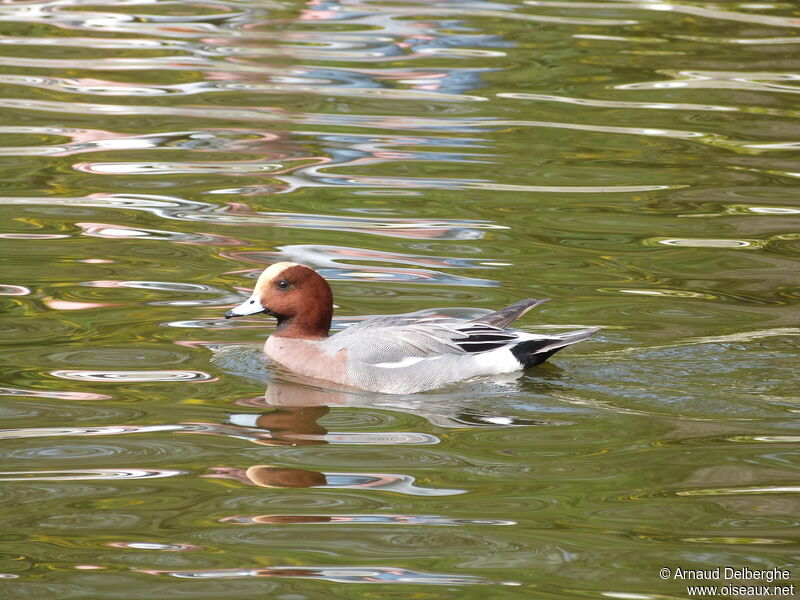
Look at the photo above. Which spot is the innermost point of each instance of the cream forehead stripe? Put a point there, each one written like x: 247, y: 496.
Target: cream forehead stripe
x: 272, y: 272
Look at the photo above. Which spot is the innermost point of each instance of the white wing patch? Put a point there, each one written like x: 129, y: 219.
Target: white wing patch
x: 406, y: 362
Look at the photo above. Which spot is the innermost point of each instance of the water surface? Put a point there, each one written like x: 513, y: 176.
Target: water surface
x: 634, y: 162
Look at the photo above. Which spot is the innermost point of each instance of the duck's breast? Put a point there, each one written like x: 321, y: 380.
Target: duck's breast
x: 307, y: 357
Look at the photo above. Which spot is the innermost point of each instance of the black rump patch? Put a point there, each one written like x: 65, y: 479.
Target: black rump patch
x: 530, y: 354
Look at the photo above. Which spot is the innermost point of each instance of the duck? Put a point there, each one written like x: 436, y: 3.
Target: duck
x: 393, y: 354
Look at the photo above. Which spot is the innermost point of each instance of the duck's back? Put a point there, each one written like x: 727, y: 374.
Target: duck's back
x: 405, y: 354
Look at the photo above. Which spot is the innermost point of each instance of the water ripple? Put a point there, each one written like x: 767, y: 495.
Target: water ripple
x: 221, y: 297
x: 52, y: 13
x: 38, y: 432
x: 7, y: 391
x: 255, y: 433
x: 451, y: 125
x: 342, y: 574
x: 88, y: 474
x: 377, y: 438
x: 618, y: 103
x: 687, y: 9
x: 133, y: 376
x: 107, y: 230
x: 705, y: 243
x: 735, y: 80
x: 635, y: 159
x: 733, y: 491
x: 95, y: 87
x: 353, y: 519
x: 174, y: 208
x: 154, y: 546
x: 13, y: 290
x: 153, y: 168
x: 328, y: 261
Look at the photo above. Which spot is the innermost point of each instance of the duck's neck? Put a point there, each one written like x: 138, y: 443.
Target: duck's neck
x: 312, y: 323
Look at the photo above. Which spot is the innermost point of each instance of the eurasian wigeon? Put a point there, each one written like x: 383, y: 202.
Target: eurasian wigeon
x: 398, y: 354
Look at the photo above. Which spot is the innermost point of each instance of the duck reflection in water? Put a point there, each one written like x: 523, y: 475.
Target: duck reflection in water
x: 294, y: 421
x: 295, y: 405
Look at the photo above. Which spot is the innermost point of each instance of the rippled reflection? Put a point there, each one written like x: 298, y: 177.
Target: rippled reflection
x: 154, y: 546
x: 87, y: 474
x: 336, y: 574
x: 169, y: 207
x: 14, y: 290
x: 132, y: 376
x: 358, y: 519
x: 329, y: 261
x: 5, y: 391
x: 633, y: 161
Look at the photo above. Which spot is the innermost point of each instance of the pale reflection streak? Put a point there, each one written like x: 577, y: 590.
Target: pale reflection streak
x: 33, y: 236
x: 350, y: 519
x: 328, y: 260
x: 733, y: 491
x: 109, y: 376
x: 736, y: 80
x: 705, y: 243
x: 88, y: 474
x: 447, y: 125
x: 174, y: 208
x: 257, y: 433
x: 267, y: 144
x: 338, y: 574
x: 330, y: 180
x: 744, y: 336
x: 739, y: 40
x: 175, y: 168
x: 102, y: 430
x: 57, y: 304
x: 475, y: 10
x: 58, y: 395
x: 395, y: 438
x: 220, y: 297
x: 14, y: 290
x: 108, y: 230
x: 710, y: 11
x: 107, y: 88
x: 716, y: 140
x: 154, y: 546
x: 618, y: 103
x: 51, y: 13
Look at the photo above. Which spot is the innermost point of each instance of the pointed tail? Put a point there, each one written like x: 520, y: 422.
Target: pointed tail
x: 535, y: 351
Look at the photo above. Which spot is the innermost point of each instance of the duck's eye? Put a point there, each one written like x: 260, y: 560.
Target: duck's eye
x: 283, y: 284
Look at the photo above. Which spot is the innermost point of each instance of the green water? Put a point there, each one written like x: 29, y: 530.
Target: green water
x: 636, y: 163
